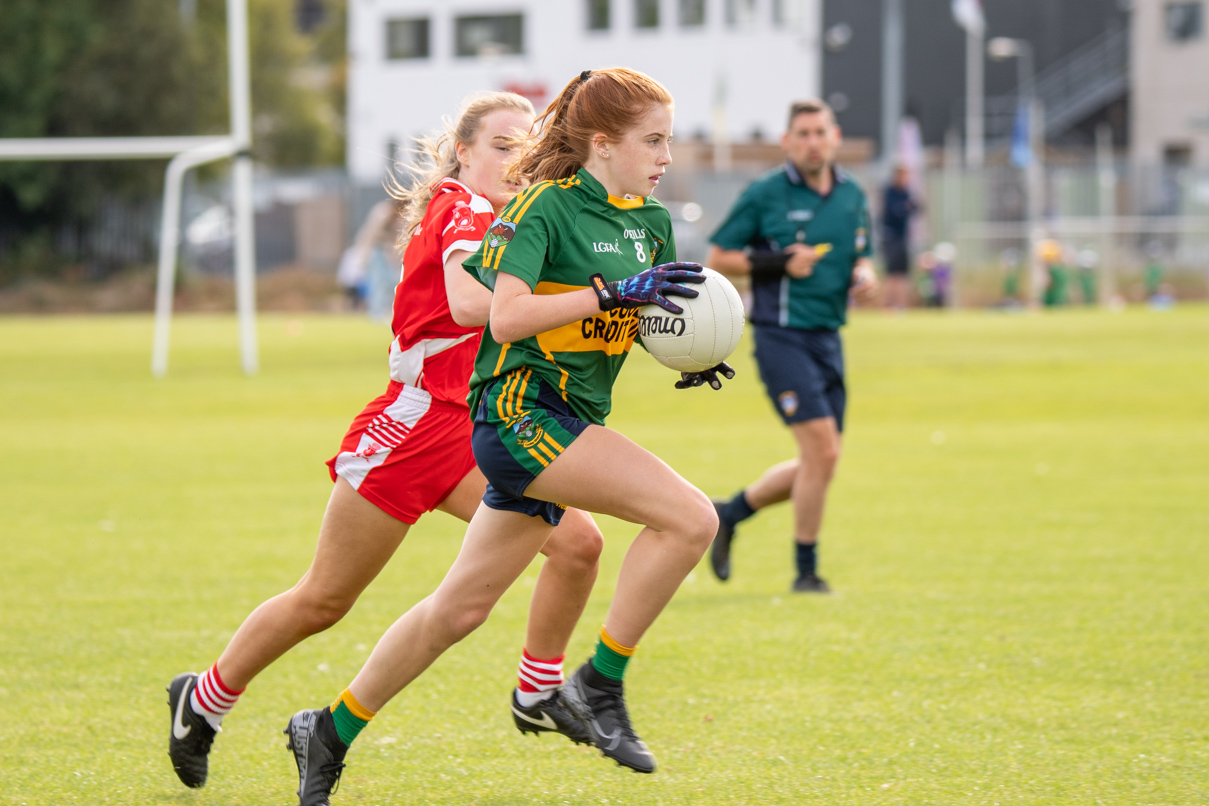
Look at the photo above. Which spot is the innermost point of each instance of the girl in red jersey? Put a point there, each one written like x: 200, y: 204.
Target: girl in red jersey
x: 408, y: 453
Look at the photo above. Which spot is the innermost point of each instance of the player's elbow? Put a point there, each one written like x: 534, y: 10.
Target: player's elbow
x: 460, y: 314
x: 504, y: 328
x: 727, y: 261
x: 466, y: 315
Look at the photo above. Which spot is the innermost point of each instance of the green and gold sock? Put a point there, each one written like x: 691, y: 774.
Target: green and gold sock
x: 611, y: 657
x: 350, y: 716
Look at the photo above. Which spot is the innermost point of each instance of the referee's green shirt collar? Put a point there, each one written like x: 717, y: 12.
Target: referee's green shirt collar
x: 795, y: 177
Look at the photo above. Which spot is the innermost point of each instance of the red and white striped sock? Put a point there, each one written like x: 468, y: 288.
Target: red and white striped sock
x: 211, y: 698
x: 537, y: 679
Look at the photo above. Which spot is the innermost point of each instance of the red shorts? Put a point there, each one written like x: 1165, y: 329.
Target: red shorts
x: 405, y: 452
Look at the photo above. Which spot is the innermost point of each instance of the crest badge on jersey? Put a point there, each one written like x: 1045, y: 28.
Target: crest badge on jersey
x: 861, y: 238
x: 463, y: 217
x: 501, y: 232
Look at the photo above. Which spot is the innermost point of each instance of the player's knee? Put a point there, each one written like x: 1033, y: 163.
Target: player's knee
x: 457, y: 623
x: 700, y: 521
x: 580, y: 552
x: 829, y: 457
x: 318, y: 612
x: 821, y: 458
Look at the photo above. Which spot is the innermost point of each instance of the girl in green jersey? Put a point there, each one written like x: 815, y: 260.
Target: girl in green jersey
x: 570, y: 260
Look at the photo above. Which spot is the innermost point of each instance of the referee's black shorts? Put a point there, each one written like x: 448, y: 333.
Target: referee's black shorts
x: 898, y: 259
x: 803, y: 372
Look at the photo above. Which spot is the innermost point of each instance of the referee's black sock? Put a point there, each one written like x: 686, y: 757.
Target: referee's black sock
x: 807, y: 559
x: 736, y: 510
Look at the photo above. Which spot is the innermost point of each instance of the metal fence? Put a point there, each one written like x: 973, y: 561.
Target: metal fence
x: 1110, y: 233
x: 1139, y: 230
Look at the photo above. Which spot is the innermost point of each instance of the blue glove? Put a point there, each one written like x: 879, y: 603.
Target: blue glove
x: 690, y: 379
x: 650, y: 287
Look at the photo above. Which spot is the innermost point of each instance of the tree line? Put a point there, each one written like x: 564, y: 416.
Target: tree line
x: 98, y: 68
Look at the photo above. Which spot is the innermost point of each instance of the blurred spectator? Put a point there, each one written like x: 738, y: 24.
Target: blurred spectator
x: 1009, y: 261
x: 370, y: 268
x: 898, y: 205
x: 1057, y: 291
x: 351, y: 276
x: 1159, y: 294
x: 936, y: 275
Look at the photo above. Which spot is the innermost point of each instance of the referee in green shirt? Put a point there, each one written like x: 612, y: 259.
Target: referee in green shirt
x: 802, y: 233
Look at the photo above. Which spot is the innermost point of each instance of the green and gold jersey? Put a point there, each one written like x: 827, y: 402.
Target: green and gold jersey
x: 555, y: 235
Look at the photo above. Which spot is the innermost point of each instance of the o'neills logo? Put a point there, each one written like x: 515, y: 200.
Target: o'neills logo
x: 661, y: 325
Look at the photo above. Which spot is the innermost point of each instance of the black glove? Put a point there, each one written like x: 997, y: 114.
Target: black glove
x: 690, y: 379
x: 649, y: 287
x: 767, y: 266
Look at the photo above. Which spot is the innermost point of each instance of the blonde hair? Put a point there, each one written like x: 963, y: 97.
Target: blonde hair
x: 439, y: 157
x: 608, y: 101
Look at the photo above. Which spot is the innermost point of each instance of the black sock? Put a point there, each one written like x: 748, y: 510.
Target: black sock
x: 806, y: 559
x: 325, y: 728
x: 598, y: 681
x: 736, y: 510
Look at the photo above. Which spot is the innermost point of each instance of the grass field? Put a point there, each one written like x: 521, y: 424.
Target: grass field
x: 1018, y: 537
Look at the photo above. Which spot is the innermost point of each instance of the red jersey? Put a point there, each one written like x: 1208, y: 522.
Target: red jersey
x: 431, y: 351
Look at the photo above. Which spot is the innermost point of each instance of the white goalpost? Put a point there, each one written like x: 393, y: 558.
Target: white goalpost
x: 185, y: 153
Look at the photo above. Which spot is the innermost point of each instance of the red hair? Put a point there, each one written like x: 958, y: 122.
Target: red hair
x: 596, y: 101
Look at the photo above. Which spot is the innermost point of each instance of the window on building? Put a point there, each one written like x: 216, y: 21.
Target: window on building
x: 598, y: 15
x: 1183, y: 21
x: 407, y: 39
x: 646, y: 13
x: 788, y: 13
x: 692, y: 13
x: 740, y: 13
x: 489, y: 35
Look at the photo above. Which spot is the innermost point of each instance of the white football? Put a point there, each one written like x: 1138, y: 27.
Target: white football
x: 704, y: 335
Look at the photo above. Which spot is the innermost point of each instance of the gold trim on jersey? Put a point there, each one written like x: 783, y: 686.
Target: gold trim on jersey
x: 610, y: 333
x: 503, y: 403
x: 627, y: 204
x: 500, y: 362
x: 521, y: 209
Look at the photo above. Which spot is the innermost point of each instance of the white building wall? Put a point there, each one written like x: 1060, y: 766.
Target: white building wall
x: 757, y: 70
x: 1169, y: 97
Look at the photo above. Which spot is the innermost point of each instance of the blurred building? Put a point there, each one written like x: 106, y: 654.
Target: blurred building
x: 1170, y: 120
x: 1081, y: 62
x: 733, y: 66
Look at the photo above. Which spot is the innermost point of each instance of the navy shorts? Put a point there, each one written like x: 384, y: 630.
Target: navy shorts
x: 520, y: 427
x: 898, y: 259
x: 803, y: 372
